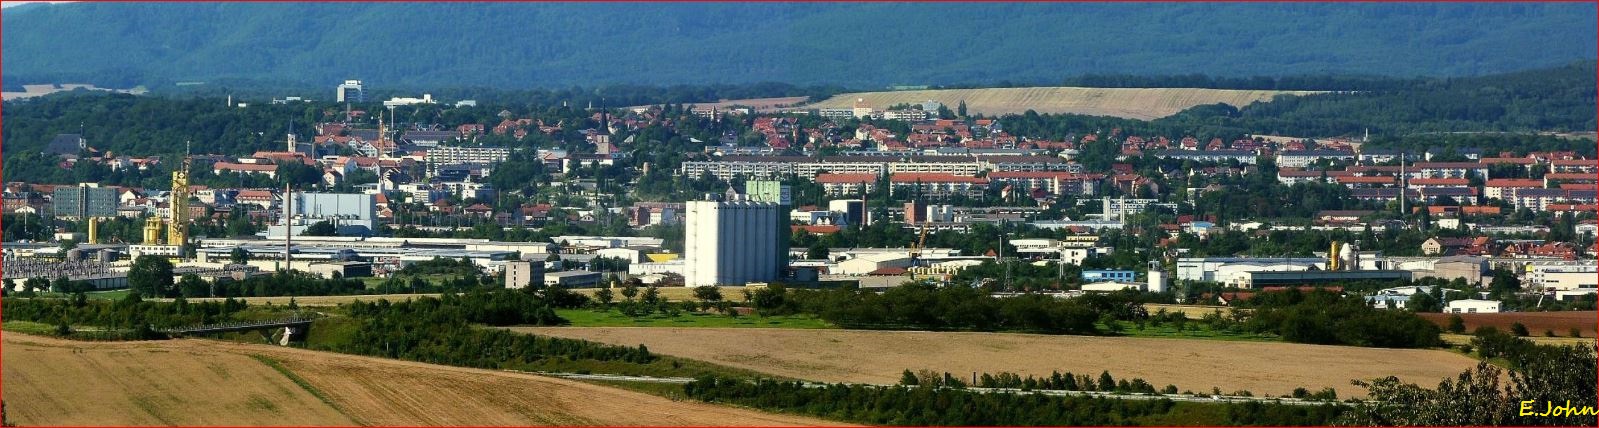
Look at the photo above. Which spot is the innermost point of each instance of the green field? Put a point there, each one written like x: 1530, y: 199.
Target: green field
x: 29, y: 327
x: 102, y: 295
x: 1195, y: 331
x: 613, y: 318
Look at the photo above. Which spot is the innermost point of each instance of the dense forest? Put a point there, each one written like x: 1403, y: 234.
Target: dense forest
x: 556, y: 45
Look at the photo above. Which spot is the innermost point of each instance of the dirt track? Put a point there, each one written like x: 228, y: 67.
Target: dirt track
x: 200, y: 382
x: 881, y: 356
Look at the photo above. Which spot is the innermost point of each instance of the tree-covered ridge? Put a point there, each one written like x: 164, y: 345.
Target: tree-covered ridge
x: 554, y: 45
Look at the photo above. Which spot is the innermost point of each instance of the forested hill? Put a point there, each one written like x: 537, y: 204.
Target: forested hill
x: 504, y: 45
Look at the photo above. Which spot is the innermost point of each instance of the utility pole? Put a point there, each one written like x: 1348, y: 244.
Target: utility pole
x: 1004, y: 285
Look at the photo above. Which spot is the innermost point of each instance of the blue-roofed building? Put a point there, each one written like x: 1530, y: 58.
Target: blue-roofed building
x: 1109, y: 275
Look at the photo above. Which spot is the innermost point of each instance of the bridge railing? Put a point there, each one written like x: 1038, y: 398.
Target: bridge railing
x: 240, y: 325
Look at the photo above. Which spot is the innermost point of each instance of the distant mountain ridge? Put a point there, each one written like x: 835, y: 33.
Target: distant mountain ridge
x: 871, y: 45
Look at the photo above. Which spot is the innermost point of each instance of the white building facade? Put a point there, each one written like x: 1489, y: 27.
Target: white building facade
x: 732, y: 243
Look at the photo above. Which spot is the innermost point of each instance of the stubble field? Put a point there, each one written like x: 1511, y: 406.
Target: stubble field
x: 1131, y: 103
x: 881, y: 356
x: 200, y: 382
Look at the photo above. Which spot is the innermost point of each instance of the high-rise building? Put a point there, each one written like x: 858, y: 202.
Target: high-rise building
x: 915, y: 212
x: 83, y: 201
x: 521, y: 274
x: 351, y: 91
x: 733, y: 243
x: 851, y: 211
x: 769, y: 191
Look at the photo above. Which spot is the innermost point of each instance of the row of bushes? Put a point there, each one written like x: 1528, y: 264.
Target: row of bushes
x: 922, y: 306
x: 920, y: 405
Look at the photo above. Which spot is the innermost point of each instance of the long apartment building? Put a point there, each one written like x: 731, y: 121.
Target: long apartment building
x: 939, y: 185
x: 1054, y: 182
x: 768, y: 167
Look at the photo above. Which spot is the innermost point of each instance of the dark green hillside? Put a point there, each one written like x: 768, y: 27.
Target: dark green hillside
x: 505, y: 45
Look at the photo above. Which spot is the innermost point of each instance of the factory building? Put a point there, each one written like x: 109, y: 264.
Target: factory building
x: 352, y: 214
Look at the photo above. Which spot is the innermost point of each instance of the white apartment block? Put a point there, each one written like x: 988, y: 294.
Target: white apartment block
x: 448, y: 155
x: 955, y: 168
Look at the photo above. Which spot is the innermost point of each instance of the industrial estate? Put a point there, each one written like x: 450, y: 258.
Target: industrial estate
x: 355, y: 252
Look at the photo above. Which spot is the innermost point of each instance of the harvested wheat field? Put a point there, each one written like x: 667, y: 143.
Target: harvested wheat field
x: 57, y: 382
x: 881, y: 356
x: 1560, y: 323
x: 1132, y: 103
x: 201, y: 382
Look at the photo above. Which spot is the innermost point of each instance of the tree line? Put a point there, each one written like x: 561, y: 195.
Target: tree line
x: 132, y: 317
x: 1324, y: 317
x: 928, y: 405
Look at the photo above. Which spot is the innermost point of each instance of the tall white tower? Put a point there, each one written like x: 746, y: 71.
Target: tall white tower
x: 731, y: 243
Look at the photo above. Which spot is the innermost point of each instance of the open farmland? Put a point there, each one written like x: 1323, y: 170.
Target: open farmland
x: 761, y: 105
x: 881, y: 356
x: 1559, y: 322
x: 199, y: 382
x: 1131, y: 103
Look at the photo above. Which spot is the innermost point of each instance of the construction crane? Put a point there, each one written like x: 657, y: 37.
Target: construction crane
x: 917, y: 247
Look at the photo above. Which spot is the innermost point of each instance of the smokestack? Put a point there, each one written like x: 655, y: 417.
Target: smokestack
x: 1404, y: 183
x: 288, y: 226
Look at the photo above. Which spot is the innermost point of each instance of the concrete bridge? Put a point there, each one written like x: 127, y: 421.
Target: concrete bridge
x: 293, y: 327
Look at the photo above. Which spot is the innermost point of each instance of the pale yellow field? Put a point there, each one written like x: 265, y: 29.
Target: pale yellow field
x: 200, y: 382
x: 1132, y: 103
x: 881, y: 356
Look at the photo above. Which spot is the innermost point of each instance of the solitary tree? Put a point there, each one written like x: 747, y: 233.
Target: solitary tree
x: 151, y: 276
x: 709, y: 296
x: 239, y: 256
x: 1519, y: 329
x: 1457, y: 325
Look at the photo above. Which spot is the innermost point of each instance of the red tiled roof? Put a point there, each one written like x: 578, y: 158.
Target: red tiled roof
x: 815, y: 230
x: 1570, y: 176
x: 1440, y: 181
x: 1513, y: 182
x: 230, y: 166
x: 1366, y: 179
x: 1518, y: 161
x: 934, y: 177
x: 845, y: 178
